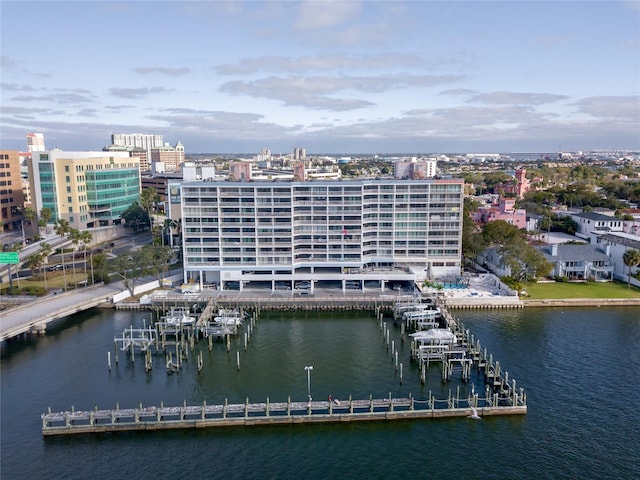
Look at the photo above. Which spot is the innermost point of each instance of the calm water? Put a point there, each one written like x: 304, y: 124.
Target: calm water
x: 580, y: 369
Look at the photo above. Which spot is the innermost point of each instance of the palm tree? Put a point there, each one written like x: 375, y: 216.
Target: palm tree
x: 631, y: 258
x: 62, y: 228
x: 30, y: 215
x: 85, y: 239
x: 169, y: 224
x: 45, y: 215
x: 74, y: 236
x: 45, y: 251
x: 34, y: 262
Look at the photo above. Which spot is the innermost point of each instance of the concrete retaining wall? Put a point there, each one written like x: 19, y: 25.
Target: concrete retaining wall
x: 583, y: 302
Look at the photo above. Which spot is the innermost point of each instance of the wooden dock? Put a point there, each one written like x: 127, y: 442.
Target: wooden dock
x: 266, y: 413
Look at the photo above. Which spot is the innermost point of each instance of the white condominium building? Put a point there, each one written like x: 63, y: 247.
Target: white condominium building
x: 139, y: 140
x: 358, y: 232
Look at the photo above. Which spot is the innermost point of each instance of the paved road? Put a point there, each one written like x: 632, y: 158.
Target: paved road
x: 46, y: 306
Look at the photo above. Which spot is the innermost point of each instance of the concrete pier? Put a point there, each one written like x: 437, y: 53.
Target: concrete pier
x: 255, y: 414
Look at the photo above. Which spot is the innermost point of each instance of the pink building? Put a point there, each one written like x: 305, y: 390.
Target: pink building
x: 518, y: 186
x: 505, y: 210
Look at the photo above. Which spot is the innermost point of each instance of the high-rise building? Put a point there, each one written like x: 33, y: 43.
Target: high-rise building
x: 11, y: 196
x: 299, y: 153
x: 170, y: 157
x: 35, y: 142
x: 139, y: 140
x: 321, y: 230
x: 140, y: 153
x: 88, y: 189
x: 414, y: 169
x: 239, y: 171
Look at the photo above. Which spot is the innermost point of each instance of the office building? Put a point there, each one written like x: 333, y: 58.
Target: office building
x: 358, y: 232
x: 35, y: 142
x: 140, y: 153
x: 88, y: 189
x: 139, y: 140
x: 414, y: 169
x: 11, y: 196
x: 167, y: 158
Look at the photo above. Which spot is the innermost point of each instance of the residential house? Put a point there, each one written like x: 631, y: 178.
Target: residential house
x: 579, y: 262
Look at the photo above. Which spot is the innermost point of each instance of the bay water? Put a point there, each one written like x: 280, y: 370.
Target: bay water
x: 579, y: 367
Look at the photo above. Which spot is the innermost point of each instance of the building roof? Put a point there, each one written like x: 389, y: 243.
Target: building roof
x: 626, y: 239
x: 575, y: 253
x: 596, y: 216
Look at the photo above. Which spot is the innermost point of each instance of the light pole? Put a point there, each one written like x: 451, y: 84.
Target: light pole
x: 309, y: 368
x: 24, y: 240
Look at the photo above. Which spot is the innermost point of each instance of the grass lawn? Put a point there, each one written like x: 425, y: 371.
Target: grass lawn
x: 553, y: 290
x: 54, y: 280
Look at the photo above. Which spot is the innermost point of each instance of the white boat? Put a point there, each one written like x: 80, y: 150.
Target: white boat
x: 227, y: 320
x: 180, y: 320
x: 417, y: 315
x: 434, y: 336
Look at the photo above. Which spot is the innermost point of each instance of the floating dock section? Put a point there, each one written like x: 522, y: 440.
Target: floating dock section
x: 249, y: 414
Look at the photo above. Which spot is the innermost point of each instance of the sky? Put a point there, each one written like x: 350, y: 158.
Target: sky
x: 345, y: 76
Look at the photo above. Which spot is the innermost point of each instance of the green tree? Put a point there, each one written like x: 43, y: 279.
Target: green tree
x: 45, y: 251
x: 148, y: 199
x: 85, y: 238
x: 131, y: 267
x: 470, y: 244
x: 631, y: 258
x: 30, y: 214
x: 169, y: 224
x: 45, y: 215
x: 525, y: 261
x: 136, y: 218
x: 159, y: 257
x: 99, y: 268
x: 74, y: 236
x: 62, y: 228
x: 34, y: 262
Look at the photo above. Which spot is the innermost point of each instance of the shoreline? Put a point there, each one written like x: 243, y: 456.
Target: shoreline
x: 582, y: 302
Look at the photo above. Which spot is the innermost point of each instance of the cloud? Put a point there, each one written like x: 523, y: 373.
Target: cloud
x: 315, y: 91
x: 622, y: 108
x: 319, y: 63
x: 14, y: 87
x: 169, y: 71
x: 458, y: 91
x: 135, y: 92
x: 630, y: 44
x: 87, y: 112
x: 220, y: 124
x: 118, y: 108
x: 516, y: 98
x: 62, y: 98
x: 7, y: 63
x: 314, y: 15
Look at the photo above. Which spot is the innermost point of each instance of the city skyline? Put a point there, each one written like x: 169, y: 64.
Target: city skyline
x: 349, y: 77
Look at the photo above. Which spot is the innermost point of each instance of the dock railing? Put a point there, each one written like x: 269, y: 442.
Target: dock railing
x: 267, y: 413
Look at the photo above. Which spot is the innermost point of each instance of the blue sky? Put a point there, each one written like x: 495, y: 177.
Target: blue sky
x: 348, y: 76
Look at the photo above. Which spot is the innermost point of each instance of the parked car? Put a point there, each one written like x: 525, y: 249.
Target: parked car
x: 282, y: 286
x: 54, y: 268
x: 303, y: 285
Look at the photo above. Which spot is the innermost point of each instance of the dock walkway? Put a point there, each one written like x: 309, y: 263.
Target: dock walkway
x: 266, y: 413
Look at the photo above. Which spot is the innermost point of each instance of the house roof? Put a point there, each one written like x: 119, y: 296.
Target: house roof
x: 625, y: 239
x: 575, y: 253
x: 596, y: 216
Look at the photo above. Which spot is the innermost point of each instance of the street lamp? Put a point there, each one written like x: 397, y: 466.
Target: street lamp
x: 24, y: 240
x: 309, y: 368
